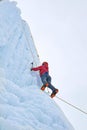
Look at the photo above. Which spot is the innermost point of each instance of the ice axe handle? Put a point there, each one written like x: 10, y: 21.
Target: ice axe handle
x: 32, y: 64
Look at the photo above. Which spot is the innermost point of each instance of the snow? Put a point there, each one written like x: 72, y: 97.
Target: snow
x: 23, y: 106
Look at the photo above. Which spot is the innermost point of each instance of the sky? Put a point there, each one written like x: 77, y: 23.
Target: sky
x: 59, y: 31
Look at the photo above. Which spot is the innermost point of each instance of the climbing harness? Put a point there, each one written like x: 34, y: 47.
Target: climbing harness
x: 71, y: 105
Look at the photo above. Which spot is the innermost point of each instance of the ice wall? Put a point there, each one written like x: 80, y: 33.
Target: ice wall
x: 23, y: 106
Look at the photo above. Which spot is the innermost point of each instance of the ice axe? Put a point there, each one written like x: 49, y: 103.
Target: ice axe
x: 31, y: 65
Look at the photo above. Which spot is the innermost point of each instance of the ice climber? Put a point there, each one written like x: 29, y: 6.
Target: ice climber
x: 45, y: 78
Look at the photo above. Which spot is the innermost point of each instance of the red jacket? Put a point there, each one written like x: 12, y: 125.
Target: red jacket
x: 42, y: 69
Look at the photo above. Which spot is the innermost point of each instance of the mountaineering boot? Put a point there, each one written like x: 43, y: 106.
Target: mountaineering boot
x: 44, y: 86
x: 54, y: 93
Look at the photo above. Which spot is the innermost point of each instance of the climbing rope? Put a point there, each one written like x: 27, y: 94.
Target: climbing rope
x: 29, y: 44
x: 30, y: 48
x: 71, y: 105
x: 47, y: 89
